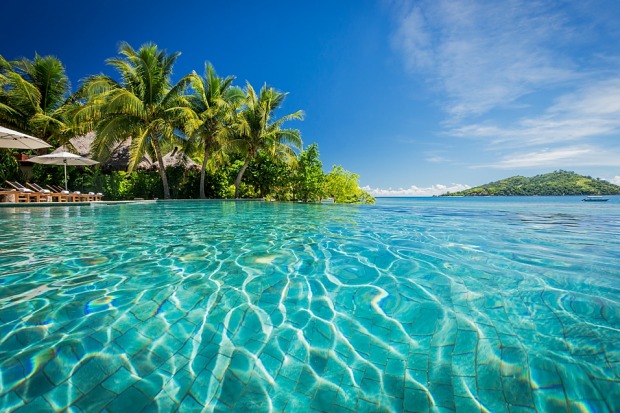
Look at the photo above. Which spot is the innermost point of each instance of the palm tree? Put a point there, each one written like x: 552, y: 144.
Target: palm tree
x: 143, y: 106
x: 35, y: 97
x: 255, y: 130
x: 213, y: 100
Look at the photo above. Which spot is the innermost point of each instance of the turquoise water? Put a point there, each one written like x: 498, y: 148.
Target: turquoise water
x: 414, y: 305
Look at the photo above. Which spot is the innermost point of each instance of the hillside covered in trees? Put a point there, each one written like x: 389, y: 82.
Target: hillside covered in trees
x: 555, y: 183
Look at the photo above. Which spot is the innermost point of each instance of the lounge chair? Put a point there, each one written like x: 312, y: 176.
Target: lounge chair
x: 74, y: 196
x: 95, y: 196
x: 12, y: 195
x: 56, y: 188
x: 91, y: 196
x: 60, y: 197
x: 26, y: 194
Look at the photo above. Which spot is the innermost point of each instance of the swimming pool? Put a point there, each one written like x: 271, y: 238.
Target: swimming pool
x: 502, y: 305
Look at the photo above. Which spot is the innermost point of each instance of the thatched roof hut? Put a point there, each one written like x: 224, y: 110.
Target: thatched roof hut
x: 81, y: 144
x: 179, y: 158
x: 119, y: 157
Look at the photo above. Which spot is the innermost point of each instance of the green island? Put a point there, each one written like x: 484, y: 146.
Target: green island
x: 201, y: 137
x: 551, y: 184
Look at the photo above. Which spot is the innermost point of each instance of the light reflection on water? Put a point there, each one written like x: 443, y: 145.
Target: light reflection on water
x: 408, y: 305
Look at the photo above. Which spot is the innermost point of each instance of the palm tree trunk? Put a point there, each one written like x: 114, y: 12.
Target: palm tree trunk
x: 240, y: 175
x: 202, y: 172
x: 162, y: 170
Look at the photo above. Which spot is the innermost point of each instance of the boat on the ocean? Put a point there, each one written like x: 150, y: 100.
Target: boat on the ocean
x: 595, y: 198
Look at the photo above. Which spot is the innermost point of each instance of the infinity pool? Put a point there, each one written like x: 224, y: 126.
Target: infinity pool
x: 432, y: 305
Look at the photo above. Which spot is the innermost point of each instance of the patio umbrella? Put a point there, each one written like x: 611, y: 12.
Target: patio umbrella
x: 13, y: 139
x: 63, y: 158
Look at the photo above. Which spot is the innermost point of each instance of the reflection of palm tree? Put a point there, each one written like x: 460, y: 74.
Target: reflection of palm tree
x: 213, y: 101
x: 34, y: 96
x: 144, y: 105
x: 255, y: 130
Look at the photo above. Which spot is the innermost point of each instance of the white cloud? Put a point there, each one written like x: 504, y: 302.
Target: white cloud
x: 615, y: 180
x: 437, y: 159
x: 415, y: 41
x: 544, y: 82
x: 413, y: 190
x: 482, y: 54
x: 590, y: 111
x: 583, y: 155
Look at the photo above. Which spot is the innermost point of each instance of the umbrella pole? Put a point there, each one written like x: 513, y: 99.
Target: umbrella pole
x: 66, y: 175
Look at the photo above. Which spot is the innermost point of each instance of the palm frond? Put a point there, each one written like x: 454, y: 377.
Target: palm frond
x: 139, y: 146
x: 7, y: 112
x: 124, y: 102
x: 112, y: 131
x: 94, y: 86
x: 174, y: 96
x: 23, y: 95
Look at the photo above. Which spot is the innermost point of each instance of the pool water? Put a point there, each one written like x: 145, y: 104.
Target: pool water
x: 410, y: 305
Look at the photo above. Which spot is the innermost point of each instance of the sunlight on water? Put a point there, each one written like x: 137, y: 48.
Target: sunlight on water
x: 409, y: 305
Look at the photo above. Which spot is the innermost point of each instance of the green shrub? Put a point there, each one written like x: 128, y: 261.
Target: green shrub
x: 9, y: 167
x: 343, y: 187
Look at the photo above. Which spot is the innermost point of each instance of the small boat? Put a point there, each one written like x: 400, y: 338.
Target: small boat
x: 595, y: 198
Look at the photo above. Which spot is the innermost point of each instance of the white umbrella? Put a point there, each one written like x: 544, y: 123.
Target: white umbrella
x: 12, y: 139
x: 63, y: 158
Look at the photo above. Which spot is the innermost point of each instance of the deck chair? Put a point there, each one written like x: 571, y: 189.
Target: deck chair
x: 12, y: 195
x: 51, y: 195
x: 26, y: 194
x: 56, y: 188
x: 91, y: 196
x: 95, y: 196
x: 73, y: 196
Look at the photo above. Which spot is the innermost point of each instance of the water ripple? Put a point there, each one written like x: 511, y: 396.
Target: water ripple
x: 235, y: 306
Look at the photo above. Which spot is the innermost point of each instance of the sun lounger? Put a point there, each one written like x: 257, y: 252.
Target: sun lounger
x: 74, y: 196
x: 91, y: 196
x: 95, y: 196
x: 56, y: 188
x: 59, y: 197
x: 37, y: 193
x: 70, y: 197
x: 24, y: 194
x: 12, y: 195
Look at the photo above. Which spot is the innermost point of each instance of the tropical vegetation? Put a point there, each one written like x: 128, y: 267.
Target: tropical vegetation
x: 35, y: 97
x: 255, y: 130
x: 214, y: 102
x: 551, y: 184
x: 343, y: 187
x: 238, y: 136
x: 144, y: 105
x: 309, y: 181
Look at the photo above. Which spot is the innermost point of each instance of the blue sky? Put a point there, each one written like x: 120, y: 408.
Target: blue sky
x: 417, y: 97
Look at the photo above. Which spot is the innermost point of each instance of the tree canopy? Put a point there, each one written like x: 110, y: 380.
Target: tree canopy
x: 143, y: 106
x: 239, y: 137
x: 256, y: 129
x: 35, y: 97
x: 343, y: 187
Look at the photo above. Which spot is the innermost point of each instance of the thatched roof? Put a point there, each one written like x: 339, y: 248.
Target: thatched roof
x: 81, y: 144
x: 119, y: 158
x: 179, y: 158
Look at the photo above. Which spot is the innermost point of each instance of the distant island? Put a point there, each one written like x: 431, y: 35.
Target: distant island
x: 551, y: 184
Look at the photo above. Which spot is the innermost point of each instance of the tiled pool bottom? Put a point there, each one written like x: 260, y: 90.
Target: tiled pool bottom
x: 261, y: 307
